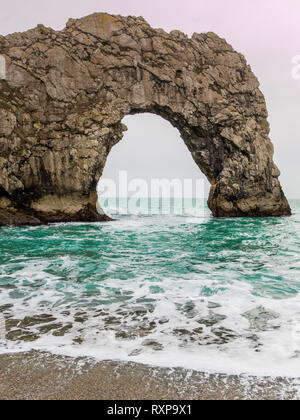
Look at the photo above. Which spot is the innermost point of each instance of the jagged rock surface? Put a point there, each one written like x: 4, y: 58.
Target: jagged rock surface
x: 66, y: 93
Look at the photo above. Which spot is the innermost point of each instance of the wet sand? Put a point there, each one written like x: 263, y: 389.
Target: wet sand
x: 41, y: 376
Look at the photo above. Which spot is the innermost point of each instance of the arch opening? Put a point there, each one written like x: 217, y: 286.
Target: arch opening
x: 151, y: 164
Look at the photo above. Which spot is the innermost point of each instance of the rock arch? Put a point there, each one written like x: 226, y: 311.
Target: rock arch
x: 66, y: 93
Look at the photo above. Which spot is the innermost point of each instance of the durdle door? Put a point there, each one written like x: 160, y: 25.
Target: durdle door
x: 63, y: 96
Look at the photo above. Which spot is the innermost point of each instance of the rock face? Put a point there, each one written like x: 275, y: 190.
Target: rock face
x: 66, y: 93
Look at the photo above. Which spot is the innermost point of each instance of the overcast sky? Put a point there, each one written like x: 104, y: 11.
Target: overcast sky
x: 267, y: 32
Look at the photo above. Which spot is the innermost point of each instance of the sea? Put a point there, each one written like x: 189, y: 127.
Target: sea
x: 161, y: 288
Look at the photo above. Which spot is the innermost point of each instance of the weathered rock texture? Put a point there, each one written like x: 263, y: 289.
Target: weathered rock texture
x: 66, y: 93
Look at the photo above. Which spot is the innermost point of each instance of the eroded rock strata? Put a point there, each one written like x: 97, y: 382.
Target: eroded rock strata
x: 66, y: 93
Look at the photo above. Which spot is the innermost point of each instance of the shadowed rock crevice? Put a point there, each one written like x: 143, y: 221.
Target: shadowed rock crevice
x: 67, y: 92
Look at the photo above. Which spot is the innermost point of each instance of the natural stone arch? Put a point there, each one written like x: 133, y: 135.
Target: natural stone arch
x: 66, y: 93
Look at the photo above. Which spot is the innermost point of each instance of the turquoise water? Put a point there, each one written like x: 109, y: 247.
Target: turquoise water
x: 171, y: 290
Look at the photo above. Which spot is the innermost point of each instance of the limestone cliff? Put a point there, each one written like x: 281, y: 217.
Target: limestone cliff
x: 66, y: 93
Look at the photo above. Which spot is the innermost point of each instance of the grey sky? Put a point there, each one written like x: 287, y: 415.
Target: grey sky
x: 265, y: 31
